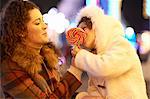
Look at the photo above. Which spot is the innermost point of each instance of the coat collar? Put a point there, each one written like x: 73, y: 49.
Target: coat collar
x: 27, y: 58
x: 30, y: 60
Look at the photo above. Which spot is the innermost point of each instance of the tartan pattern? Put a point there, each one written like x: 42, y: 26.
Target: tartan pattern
x: 71, y: 81
x: 18, y: 84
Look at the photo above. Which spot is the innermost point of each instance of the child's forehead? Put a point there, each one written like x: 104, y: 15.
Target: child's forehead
x: 82, y: 24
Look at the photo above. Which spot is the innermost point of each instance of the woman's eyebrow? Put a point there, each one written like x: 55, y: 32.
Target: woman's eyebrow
x: 38, y: 19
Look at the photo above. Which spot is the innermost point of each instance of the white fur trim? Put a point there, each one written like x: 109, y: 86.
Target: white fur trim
x: 106, y: 27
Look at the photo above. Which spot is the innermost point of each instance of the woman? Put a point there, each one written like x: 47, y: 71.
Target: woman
x: 112, y: 64
x: 29, y: 61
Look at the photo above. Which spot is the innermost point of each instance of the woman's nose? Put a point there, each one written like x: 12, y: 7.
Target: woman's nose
x: 44, y: 26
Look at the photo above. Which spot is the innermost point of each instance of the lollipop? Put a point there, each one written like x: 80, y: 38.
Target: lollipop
x: 75, y: 36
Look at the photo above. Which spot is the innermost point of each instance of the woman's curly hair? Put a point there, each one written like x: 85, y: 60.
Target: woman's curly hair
x: 14, y: 18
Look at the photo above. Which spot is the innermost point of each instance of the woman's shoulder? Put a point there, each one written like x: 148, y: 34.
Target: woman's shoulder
x: 11, y: 71
x: 8, y: 64
x: 14, y: 79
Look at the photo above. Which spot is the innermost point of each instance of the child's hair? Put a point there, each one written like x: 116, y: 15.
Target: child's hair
x: 87, y: 21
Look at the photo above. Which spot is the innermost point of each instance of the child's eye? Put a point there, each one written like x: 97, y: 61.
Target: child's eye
x: 84, y: 28
x: 46, y: 23
x: 37, y: 23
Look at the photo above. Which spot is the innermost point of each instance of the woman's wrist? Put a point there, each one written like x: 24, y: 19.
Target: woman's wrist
x: 76, y: 72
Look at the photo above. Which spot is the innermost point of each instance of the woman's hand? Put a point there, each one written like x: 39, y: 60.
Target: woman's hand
x: 73, y: 61
x: 75, y: 50
x: 92, y: 97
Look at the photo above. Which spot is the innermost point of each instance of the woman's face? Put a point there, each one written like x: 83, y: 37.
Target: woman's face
x: 90, y: 39
x: 37, y: 29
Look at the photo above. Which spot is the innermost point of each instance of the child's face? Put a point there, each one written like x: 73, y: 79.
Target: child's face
x: 90, y: 39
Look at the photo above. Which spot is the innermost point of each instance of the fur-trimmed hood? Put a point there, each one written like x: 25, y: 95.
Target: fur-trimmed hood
x: 106, y: 27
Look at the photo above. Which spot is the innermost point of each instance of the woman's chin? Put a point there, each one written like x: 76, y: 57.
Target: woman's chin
x: 46, y: 41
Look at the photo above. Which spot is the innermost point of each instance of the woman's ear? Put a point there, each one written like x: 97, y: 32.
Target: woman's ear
x: 21, y: 35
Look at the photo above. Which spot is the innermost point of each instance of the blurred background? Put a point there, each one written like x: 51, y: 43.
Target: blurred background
x: 133, y: 14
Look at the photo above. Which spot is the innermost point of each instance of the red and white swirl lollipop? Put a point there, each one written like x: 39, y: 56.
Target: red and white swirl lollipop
x: 76, y: 36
